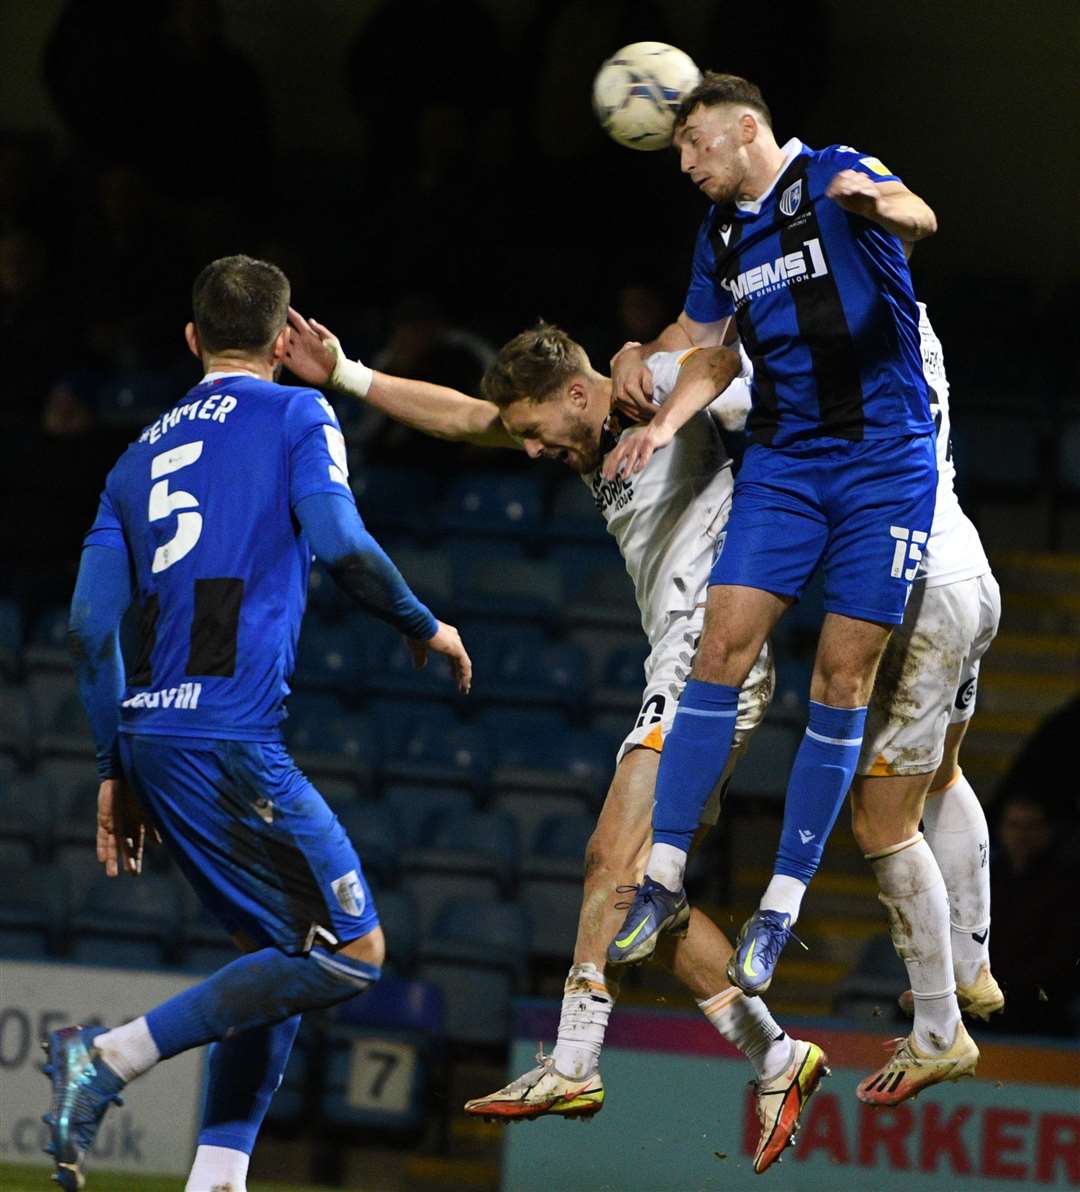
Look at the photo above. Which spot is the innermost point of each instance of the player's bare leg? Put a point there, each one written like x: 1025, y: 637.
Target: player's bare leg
x: 954, y: 825
x: 885, y: 817
x: 848, y: 654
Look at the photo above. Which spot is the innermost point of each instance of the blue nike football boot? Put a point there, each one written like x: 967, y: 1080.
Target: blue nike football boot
x: 757, y: 951
x: 655, y: 909
x: 83, y: 1088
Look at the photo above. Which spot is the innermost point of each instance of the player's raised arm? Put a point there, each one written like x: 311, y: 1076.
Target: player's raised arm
x: 315, y: 355
x: 865, y: 186
x: 701, y: 378
x: 631, y: 381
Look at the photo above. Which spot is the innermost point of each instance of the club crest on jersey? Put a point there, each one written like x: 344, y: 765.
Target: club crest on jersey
x: 791, y: 198
x: 349, y: 893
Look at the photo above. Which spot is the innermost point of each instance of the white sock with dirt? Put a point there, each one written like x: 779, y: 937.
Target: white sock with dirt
x: 954, y: 825
x: 667, y: 865
x: 586, y: 1008
x: 747, y: 1024
x: 913, y: 892
x: 783, y: 894
x: 129, y: 1050
x: 218, y: 1169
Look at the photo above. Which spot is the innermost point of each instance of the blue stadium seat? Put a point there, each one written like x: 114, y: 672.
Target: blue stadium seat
x: 398, y: 919
x: 465, y: 988
x: 490, y: 935
x: 529, y: 809
x: 563, y: 838
x: 393, y: 674
x: 429, y: 573
x: 327, y: 739
x: 27, y: 812
x: 507, y: 589
x: 33, y: 912
x: 625, y: 668
x: 74, y: 785
x: 426, y: 743
x: 384, y: 1055
x: 553, y: 907
x: 555, y: 673
x: 763, y: 770
x: 414, y: 808
x: 429, y: 890
x: 574, y: 516
x: 47, y: 647
x: 600, y: 593
x: 536, y: 750
x: 324, y: 598
x: 397, y: 499
x: 371, y: 828
x: 16, y: 722
x: 11, y: 636
x: 59, y: 720
x: 129, y: 923
x: 206, y: 944
x: 469, y: 842
x: 493, y: 506
x: 331, y: 657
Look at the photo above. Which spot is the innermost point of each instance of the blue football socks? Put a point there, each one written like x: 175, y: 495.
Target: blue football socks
x: 696, y: 750
x: 258, y: 989
x: 245, y: 1071
x: 819, y: 782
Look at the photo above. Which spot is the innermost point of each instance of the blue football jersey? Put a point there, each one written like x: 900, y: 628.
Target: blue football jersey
x: 823, y: 303
x: 203, y: 504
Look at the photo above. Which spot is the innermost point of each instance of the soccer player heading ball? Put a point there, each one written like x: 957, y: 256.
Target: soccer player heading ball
x: 805, y: 250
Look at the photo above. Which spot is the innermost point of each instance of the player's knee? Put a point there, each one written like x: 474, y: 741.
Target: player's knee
x: 841, y: 688
x: 369, y: 949
x: 723, y: 659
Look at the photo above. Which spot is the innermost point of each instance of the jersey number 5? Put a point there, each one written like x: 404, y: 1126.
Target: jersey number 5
x: 164, y: 503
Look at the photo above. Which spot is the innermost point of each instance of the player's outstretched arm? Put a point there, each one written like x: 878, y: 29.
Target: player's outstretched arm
x: 363, y: 570
x: 315, y: 355
x: 703, y: 375
x: 102, y: 595
x: 889, y: 204
x: 631, y: 381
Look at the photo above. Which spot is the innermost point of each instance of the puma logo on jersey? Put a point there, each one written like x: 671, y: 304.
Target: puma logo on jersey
x: 804, y: 265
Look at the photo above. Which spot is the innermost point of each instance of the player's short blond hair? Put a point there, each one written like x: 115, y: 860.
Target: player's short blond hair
x: 534, y: 365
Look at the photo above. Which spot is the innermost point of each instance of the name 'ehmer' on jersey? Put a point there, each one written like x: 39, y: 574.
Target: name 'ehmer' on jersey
x: 823, y: 303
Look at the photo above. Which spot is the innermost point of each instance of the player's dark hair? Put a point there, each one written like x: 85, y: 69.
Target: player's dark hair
x: 534, y: 365
x: 715, y: 89
x: 239, y: 304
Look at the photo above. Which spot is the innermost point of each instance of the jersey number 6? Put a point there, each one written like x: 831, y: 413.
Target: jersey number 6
x: 163, y: 503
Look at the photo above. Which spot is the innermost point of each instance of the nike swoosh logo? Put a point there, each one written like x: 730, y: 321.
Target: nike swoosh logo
x: 627, y: 940
x: 979, y: 939
x: 747, y: 968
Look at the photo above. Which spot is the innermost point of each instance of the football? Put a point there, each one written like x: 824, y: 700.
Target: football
x: 636, y: 92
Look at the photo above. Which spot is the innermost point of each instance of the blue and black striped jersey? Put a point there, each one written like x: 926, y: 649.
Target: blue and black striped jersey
x: 824, y: 306
x: 203, y: 504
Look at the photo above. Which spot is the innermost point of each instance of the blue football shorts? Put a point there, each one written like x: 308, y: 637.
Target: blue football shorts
x: 864, y: 510
x: 257, y: 841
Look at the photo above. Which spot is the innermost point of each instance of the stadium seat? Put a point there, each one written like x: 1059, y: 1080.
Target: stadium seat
x: 11, y: 636
x: 129, y: 924
x: 507, y: 589
x: 763, y: 770
x: 16, y: 722
x: 393, y: 674
x: 398, y: 919
x: 493, y: 506
x: 331, y: 658
x: 206, y: 945
x: 426, y: 743
x: 466, y: 987
x: 59, y: 719
x: 384, y: 1058
x: 393, y: 498
x: 47, y: 647
x: 371, y: 828
x: 600, y: 593
x: 429, y: 573
x: 469, y: 842
x: 574, y: 516
x: 27, y: 812
x: 327, y: 739
x: 74, y: 785
x: 878, y: 978
x: 325, y: 599
x: 535, y: 750
x: 622, y: 680
x: 415, y: 807
x: 529, y: 809
x: 553, y: 906
x: 33, y: 912
x: 562, y: 839
x: 430, y: 889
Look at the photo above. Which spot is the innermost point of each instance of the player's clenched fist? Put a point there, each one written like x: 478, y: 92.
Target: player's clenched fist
x: 854, y: 192
x: 446, y: 641
x: 631, y: 381
x: 634, y: 450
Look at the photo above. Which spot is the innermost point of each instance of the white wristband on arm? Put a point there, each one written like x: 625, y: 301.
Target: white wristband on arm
x: 350, y: 376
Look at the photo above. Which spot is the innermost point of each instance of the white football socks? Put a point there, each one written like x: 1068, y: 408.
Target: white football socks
x: 586, y: 1008
x: 747, y: 1024
x: 954, y: 825
x: 129, y: 1050
x: 667, y: 865
x: 783, y: 894
x: 913, y: 892
x: 218, y: 1169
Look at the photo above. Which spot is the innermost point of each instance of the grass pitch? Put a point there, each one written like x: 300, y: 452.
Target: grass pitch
x: 36, y: 1179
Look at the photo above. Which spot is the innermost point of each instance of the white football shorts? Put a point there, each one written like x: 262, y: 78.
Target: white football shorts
x: 928, y: 675
x: 666, y: 670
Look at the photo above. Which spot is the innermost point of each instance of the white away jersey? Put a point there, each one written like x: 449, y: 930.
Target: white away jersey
x: 666, y: 518
x: 954, y: 551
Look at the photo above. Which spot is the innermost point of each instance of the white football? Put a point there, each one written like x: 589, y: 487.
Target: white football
x: 636, y: 92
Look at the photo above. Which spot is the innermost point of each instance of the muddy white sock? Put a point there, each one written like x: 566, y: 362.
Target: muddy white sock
x: 129, y: 1050
x: 913, y: 892
x: 218, y: 1169
x: 747, y: 1024
x: 667, y: 865
x: 586, y: 1008
x: 954, y: 825
x: 783, y: 894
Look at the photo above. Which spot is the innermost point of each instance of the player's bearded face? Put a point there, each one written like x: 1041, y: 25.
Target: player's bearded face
x: 709, y: 153
x: 554, y: 429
